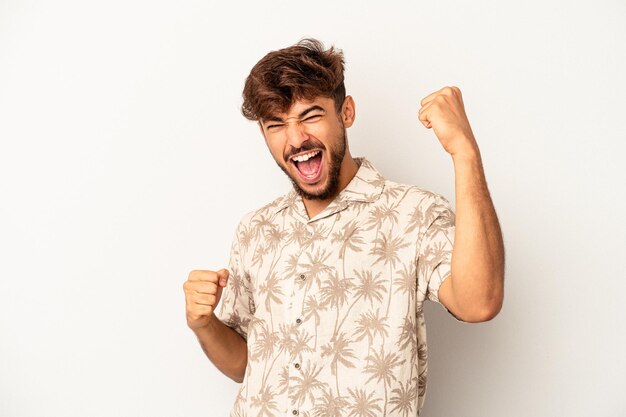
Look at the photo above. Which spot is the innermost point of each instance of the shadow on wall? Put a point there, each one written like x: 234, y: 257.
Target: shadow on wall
x: 464, y: 361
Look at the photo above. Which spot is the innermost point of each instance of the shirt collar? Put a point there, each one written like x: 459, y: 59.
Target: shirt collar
x: 366, y: 186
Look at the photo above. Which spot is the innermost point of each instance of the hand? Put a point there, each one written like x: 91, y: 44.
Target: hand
x: 443, y: 110
x: 203, y: 290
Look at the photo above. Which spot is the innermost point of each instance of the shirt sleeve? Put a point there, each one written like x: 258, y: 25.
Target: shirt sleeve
x: 434, y: 261
x: 236, y: 306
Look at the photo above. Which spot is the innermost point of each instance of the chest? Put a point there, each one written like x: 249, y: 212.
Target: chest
x: 341, y: 271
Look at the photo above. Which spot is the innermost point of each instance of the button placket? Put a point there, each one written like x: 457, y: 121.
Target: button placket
x: 296, y: 315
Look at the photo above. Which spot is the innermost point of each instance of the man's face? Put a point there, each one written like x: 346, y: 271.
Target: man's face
x: 309, y: 144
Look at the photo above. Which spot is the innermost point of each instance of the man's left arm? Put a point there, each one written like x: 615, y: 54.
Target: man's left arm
x: 475, y: 290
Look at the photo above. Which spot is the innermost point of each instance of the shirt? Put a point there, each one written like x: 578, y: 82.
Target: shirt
x: 331, y: 306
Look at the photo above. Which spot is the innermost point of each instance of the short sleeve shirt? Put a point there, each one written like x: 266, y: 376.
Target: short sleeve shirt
x: 331, y: 307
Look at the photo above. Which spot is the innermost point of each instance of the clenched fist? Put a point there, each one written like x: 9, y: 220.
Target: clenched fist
x: 444, y: 112
x: 203, y: 290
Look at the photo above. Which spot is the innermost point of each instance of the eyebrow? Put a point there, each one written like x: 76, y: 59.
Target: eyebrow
x: 301, y: 115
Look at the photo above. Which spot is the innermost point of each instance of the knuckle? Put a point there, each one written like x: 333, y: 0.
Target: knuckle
x: 202, y: 275
x: 188, y: 286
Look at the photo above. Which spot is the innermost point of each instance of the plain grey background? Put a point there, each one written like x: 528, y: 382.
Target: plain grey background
x: 125, y: 164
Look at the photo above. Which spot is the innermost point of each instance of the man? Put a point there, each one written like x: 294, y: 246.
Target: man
x: 321, y: 306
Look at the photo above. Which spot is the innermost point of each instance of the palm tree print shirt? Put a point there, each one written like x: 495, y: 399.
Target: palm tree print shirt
x: 331, y: 306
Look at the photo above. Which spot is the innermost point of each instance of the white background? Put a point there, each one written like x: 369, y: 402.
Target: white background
x: 125, y: 164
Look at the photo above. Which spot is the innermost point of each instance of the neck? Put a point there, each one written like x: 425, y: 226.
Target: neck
x: 348, y: 170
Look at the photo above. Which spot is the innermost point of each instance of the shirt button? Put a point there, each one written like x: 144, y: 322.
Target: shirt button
x: 297, y: 365
x: 294, y: 412
x: 298, y: 320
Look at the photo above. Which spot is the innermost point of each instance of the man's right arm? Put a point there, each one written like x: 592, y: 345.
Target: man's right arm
x: 224, y: 347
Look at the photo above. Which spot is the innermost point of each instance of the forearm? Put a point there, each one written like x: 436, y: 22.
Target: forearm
x: 225, y: 348
x: 478, y: 254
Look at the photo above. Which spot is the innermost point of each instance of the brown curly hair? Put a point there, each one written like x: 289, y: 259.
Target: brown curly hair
x: 303, y: 71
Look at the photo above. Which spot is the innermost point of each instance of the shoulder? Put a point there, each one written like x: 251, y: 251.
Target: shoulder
x: 416, y: 207
x: 412, y: 196
x: 265, y: 213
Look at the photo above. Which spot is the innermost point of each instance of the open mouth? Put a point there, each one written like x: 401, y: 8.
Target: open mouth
x: 309, y: 166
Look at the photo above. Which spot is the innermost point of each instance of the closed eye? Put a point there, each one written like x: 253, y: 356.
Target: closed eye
x: 310, y: 119
x: 313, y: 118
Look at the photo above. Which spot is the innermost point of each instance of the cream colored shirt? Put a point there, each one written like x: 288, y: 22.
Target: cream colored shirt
x: 331, y: 307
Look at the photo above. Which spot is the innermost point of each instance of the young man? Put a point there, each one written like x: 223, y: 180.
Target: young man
x: 321, y: 305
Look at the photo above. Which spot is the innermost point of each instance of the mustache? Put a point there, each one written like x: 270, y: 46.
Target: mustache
x: 306, y: 146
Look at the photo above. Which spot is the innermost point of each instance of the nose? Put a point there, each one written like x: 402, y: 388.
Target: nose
x: 296, y: 134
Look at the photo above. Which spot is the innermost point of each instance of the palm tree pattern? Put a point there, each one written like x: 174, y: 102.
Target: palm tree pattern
x: 331, y: 306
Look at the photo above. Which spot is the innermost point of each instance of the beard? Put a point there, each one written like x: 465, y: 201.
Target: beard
x: 336, y: 158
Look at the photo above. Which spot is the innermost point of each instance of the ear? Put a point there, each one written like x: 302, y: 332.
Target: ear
x: 348, y: 111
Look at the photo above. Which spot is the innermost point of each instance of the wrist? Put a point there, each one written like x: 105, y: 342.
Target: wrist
x: 209, y: 327
x: 468, y: 153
